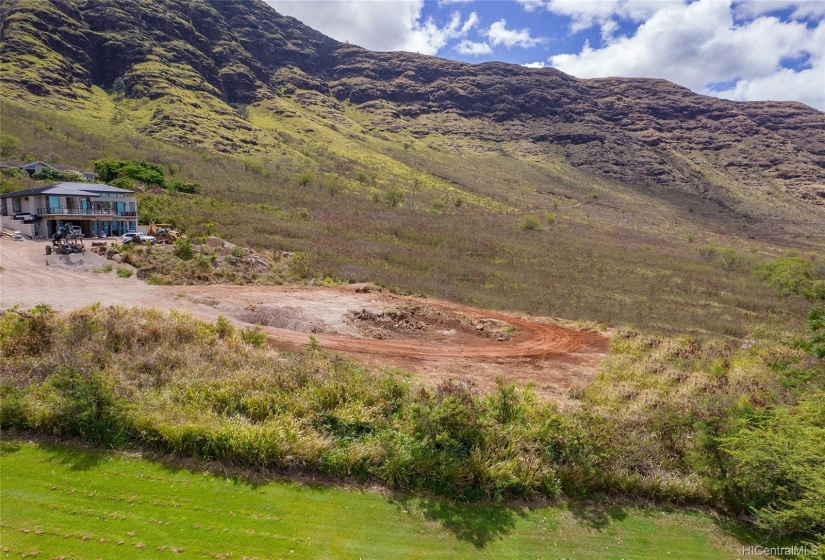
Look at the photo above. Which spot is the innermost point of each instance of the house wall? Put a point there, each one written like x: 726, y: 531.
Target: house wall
x: 9, y: 223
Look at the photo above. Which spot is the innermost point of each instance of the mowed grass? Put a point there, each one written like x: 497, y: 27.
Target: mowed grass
x: 64, y: 501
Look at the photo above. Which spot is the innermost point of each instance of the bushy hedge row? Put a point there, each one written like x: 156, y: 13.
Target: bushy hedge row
x: 668, y: 419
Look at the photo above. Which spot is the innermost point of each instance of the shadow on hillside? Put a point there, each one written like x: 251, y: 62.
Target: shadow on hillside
x: 597, y: 516
x: 478, y: 524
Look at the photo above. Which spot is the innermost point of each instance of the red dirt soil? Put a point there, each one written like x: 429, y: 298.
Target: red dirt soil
x: 436, y: 340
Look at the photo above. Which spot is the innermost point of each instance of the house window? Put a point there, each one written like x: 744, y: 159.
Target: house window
x: 54, y: 203
x: 15, y: 205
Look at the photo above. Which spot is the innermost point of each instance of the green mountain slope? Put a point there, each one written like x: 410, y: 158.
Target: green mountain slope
x: 490, y: 184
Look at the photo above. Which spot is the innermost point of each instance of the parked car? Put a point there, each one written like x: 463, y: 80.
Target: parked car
x: 18, y: 236
x: 137, y: 237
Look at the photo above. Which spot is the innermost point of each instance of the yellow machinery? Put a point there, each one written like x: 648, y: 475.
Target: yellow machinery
x: 163, y: 233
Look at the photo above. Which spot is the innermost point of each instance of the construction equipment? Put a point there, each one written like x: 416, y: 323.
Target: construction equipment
x: 67, y: 240
x: 164, y: 233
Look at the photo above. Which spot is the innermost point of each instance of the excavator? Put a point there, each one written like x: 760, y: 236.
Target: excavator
x: 163, y: 233
x: 68, y: 239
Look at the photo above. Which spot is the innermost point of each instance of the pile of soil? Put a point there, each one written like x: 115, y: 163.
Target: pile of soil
x: 411, y: 321
x: 289, y: 317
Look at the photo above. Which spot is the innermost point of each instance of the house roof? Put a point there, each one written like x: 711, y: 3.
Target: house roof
x: 70, y: 189
x: 32, y: 164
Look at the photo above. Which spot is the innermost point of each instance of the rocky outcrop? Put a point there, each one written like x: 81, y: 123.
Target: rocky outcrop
x: 638, y: 131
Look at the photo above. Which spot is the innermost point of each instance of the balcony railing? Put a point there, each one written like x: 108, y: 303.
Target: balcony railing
x: 85, y: 212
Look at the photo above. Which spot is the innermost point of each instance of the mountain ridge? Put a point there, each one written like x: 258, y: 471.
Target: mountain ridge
x: 203, y: 60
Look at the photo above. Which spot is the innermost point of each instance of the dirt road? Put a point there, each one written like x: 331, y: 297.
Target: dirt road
x: 434, y: 339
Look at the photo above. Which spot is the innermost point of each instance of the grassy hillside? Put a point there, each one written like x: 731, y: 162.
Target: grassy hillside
x: 508, y: 231
x: 60, y: 500
x: 670, y: 420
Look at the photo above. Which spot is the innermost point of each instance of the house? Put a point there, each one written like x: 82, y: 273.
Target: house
x: 97, y: 209
x: 34, y: 167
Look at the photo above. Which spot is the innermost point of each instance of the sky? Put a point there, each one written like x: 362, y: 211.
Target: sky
x: 751, y: 50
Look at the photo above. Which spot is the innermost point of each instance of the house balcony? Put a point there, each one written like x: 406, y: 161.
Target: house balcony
x: 86, y: 212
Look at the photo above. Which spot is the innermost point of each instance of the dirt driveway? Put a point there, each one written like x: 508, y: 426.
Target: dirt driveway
x: 434, y: 339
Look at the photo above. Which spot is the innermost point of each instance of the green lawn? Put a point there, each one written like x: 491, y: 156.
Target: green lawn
x: 62, y: 501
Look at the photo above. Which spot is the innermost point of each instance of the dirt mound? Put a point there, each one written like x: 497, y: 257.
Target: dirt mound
x: 290, y: 317
x: 425, y: 322
x: 78, y: 261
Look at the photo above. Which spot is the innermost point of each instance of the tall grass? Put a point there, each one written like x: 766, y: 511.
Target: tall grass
x: 669, y: 419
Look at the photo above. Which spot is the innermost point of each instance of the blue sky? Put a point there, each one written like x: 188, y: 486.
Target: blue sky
x: 752, y: 50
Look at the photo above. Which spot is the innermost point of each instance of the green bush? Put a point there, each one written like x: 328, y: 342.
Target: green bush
x: 731, y: 260
x: 306, y: 178
x: 530, y: 222
x: 775, y: 468
x: 123, y: 272
x: 793, y: 276
x: 394, y: 197
x: 148, y: 173
x: 254, y: 336
x: 185, y: 187
x: 184, y: 250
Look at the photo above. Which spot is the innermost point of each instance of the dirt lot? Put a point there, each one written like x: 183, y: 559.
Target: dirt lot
x: 434, y: 339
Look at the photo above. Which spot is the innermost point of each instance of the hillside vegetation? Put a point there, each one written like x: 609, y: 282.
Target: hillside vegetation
x: 690, y: 227
x: 668, y: 419
x: 595, y: 250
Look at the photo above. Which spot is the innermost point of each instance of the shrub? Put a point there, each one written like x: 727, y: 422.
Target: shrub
x: 148, y: 173
x: 224, y: 328
x: 185, y: 187
x: 184, y: 250
x: 394, y: 197
x: 306, y: 178
x: 731, y: 260
x: 793, y: 276
x: 708, y: 252
x: 48, y: 174
x: 530, y: 222
x: 254, y: 336
x: 776, y: 468
x: 123, y: 272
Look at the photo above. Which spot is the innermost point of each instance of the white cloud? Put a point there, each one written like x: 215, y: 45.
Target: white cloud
x: 472, y: 48
x: 699, y: 44
x: 531, y: 5
x: 448, y: 2
x: 585, y: 14
x: 500, y: 35
x: 799, y: 9
x: 386, y: 25
x: 539, y: 64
